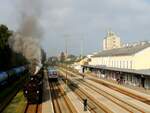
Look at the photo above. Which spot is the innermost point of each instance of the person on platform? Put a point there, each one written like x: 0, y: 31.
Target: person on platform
x: 85, y: 104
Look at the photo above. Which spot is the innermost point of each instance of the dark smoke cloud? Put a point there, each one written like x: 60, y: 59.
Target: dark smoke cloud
x: 26, y: 39
x: 30, y: 12
x: 30, y: 28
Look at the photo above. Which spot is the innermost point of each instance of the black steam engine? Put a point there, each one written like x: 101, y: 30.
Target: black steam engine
x: 33, y: 88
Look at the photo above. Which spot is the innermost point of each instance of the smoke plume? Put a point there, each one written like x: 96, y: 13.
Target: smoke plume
x: 26, y: 39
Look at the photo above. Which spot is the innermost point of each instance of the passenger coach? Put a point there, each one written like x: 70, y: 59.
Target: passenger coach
x: 52, y: 73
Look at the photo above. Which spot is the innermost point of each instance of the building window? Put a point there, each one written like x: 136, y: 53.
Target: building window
x: 120, y: 64
x: 117, y: 64
x: 125, y: 64
x: 130, y: 64
x: 109, y: 62
x: 113, y: 63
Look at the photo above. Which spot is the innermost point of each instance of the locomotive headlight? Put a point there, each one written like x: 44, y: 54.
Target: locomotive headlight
x: 26, y: 92
x: 31, y: 78
x: 37, y: 92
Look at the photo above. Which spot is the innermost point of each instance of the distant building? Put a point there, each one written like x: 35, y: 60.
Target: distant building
x: 125, y: 63
x: 111, y: 41
x: 130, y: 64
x: 130, y: 57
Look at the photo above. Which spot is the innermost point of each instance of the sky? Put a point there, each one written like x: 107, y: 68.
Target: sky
x: 84, y: 23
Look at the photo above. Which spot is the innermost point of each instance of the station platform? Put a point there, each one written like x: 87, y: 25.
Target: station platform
x: 47, y: 106
x: 136, y: 88
x: 78, y: 105
x: 101, y: 100
x: 127, y: 99
x: 132, y: 89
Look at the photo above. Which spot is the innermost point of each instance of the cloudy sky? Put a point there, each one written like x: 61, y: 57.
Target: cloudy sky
x: 83, y: 21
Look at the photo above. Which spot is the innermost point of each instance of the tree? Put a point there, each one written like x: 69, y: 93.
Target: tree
x: 8, y: 58
x: 5, y: 51
x: 52, y: 60
x: 4, y: 35
x: 62, y: 57
x: 43, y: 53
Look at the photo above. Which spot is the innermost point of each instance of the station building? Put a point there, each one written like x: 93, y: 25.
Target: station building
x: 130, y: 64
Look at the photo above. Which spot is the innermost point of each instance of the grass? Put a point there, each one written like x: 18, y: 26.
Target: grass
x: 4, y: 93
x: 7, y: 91
x: 17, y: 85
x: 17, y: 105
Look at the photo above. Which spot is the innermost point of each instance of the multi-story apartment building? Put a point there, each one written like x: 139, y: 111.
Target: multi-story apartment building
x: 111, y: 41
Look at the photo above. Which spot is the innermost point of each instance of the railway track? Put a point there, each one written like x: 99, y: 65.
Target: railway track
x: 114, y: 99
x: 124, y: 92
x: 130, y: 108
x: 135, y: 96
x: 93, y: 105
x: 5, y: 102
x: 61, y: 102
x: 33, y: 108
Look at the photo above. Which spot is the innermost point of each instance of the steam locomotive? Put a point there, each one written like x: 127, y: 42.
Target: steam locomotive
x: 33, y: 88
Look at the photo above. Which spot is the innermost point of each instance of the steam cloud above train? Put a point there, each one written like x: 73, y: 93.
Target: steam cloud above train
x: 26, y: 39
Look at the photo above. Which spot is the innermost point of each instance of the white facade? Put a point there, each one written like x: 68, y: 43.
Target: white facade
x: 111, y: 41
x: 139, y: 60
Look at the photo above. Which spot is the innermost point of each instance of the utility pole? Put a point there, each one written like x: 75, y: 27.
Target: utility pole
x: 66, y: 47
x: 81, y: 49
x: 66, y: 52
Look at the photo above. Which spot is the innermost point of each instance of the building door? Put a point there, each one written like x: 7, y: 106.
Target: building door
x: 142, y: 81
x: 83, y: 69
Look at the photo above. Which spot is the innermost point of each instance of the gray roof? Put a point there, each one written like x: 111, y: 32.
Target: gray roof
x: 122, y: 51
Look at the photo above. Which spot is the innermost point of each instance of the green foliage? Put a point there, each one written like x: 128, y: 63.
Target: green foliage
x: 8, y: 58
x: 43, y: 56
x: 4, y: 35
x: 52, y: 61
x: 17, y: 105
x: 4, y: 48
x: 62, y: 57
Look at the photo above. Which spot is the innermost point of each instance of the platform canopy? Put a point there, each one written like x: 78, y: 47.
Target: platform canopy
x: 140, y: 72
